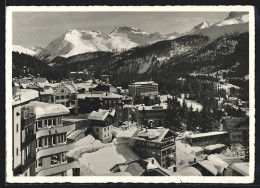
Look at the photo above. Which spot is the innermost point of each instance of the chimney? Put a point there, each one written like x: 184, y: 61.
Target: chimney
x: 152, y: 161
x: 175, y: 169
x: 195, y: 160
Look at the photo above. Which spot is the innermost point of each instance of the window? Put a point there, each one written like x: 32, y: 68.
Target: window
x: 108, y: 134
x: 57, y: 97
x: 108, y: 128
x: 49, y: 140
x: 25, y: 174
x: 17, y: 114
x: 40, y: 142
x: 63, y: 157
x: 45, y: 141
x: 39, y: 124
x: 45, y: 123
x: 62, y: 91
x: 54, y: 122
x: 26, y: 114
x: 55, y: 159
x: 49, y: 122
x: 97, y: 129
x: 105, y: 136
x: 16, y: 151
x: 39, y: 162
x: 62, y: 97
x: 105, y: 129
x: 54, y: 140
x: 17, y: 126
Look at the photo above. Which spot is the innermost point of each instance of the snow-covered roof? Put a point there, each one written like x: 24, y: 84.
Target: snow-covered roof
x: 209, y: 166
x: 206, y: 134
x: 242, y: 168
x: 219, y: 164
x: 26, y: 95
x: 162, y: 106
x: 214, y: 146
x: 103, y: 95
x: 100, y: 115
x: 187, y: 171
x: 144, y: 83
x: 43, y: 109
x: 153, y: 135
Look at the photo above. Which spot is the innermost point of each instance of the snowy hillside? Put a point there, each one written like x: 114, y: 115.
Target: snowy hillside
x: 137, y: 36
x: 236, y: 22
x: 21, y: 49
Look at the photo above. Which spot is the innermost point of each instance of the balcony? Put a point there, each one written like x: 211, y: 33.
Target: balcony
x: 56, y: 169
x: 29, y: 138
x: 28, y: 121
x: 54, y: 149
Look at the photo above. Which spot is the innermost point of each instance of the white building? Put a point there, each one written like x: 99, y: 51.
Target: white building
x: 143, y: 88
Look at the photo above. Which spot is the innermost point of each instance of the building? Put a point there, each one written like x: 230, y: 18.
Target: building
x: 155, y: 142
x: 103, y: 88
x: 238, y: 128
x: 101, y: 124
x: 240, y: 169
x: 209, y: 138
x: 93, y: 102
x: 143, y: 88
x: 156, y: 113
x: 51, y: 139
x: 65, y: 93
x: 23, y: 132
x: 80, y: 75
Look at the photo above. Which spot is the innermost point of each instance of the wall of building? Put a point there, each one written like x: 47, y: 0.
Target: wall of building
x: 16, y: 137
x: 102, y: 133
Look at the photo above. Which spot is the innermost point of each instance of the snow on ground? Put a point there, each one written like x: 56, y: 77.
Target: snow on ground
x: 192, y: 103
x: 101, y: 161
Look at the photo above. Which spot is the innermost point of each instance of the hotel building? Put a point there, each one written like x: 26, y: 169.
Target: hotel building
x: 143, y: 88
x: 51, y: 139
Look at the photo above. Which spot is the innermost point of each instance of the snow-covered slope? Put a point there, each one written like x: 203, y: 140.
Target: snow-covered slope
x: 236, y: 22
x: 75, y: 42
x: 172, y: 36
x: 21, y: 49
x: 137, y: 36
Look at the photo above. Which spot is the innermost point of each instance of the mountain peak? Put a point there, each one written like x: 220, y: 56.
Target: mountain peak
x: 126, y: 29
x: 202, y: 25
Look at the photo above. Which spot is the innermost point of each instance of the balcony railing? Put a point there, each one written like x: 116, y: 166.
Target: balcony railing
x: 28, y: 120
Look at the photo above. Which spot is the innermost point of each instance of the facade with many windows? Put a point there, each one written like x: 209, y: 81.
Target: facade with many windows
x: 155, y: 142
x: 143, y: 88
x: 51, y: 139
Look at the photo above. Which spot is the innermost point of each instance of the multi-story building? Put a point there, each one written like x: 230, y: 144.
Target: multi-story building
x: 23, y: 132
x: 65, y: 93
x: 80, y: 75
x: 101, y: 123
x: 90, y: 102
x: 155, y: 142
x: 143, y: 88
x: 51, y: 138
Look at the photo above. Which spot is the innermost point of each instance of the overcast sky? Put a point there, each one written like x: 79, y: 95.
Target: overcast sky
x: 40, y: 28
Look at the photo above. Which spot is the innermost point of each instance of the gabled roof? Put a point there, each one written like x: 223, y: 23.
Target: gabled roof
x: 232, y: 122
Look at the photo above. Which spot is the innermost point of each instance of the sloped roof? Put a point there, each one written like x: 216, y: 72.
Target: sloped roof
x: 209, y: 166
x: 187, y: 171
x: 242, y: 168
x: 153, y: 135
x: 100, y: 116
x: 26, y: 95
x: 231, y: 122
x: 206, y: 134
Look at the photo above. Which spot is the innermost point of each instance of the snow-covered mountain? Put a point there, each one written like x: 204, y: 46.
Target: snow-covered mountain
x: 75, y: 42
x: 236, y: 22
x: 137, y: 36
x: 37, y: 49
x: 21, y: 49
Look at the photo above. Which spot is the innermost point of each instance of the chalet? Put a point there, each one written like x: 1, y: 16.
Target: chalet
x: 155, y: 142
x: 238, y: 128
x: 101, y: 123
